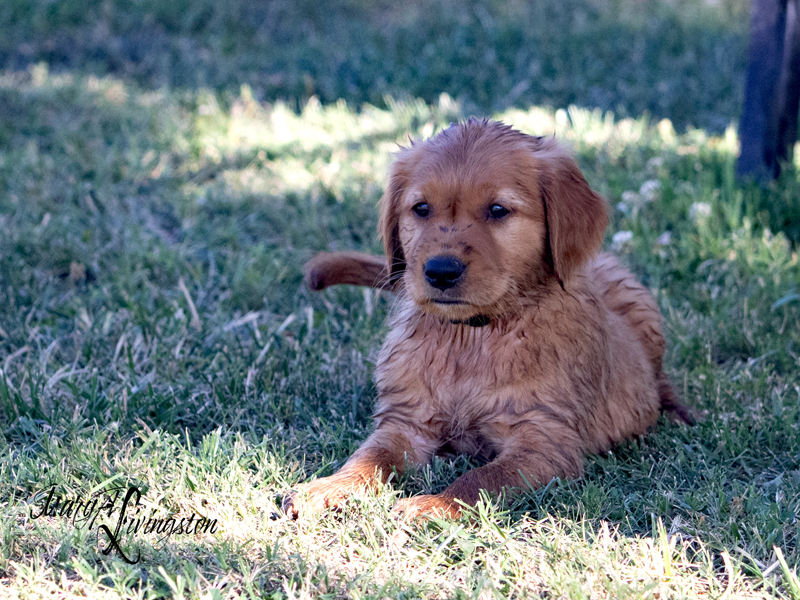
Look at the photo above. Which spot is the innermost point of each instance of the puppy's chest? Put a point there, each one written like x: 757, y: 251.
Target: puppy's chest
x: 448, y: 378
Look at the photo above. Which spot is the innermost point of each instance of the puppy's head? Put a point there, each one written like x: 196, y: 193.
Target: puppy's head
x: 481, y: 214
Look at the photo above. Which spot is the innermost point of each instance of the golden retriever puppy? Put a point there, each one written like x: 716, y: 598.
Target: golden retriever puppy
x: 511, y: 339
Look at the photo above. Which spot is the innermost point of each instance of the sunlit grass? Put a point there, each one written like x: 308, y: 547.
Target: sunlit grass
x: 113, y: 195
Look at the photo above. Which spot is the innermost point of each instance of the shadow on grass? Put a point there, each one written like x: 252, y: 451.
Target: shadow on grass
x: 682, y: 62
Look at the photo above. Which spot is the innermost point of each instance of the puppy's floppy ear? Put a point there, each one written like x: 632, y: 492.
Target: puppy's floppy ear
x: 576, y: 215
x: 389, y: 220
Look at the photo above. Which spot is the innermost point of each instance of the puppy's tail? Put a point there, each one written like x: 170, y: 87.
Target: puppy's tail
x: 671, y: 404
x: 351, y: 268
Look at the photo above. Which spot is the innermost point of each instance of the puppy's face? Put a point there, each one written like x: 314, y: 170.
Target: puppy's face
x: 481, y: 214
x: 471, y: 234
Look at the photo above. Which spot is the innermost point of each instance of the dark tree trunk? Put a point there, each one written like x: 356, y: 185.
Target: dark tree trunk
x: 768, y: 127
x: 790, y: 83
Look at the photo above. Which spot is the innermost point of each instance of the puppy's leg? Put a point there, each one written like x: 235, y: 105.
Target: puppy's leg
x: 353, y: 268
x: 671, y: 404
x: 385, y: 450
x: 530, y: 459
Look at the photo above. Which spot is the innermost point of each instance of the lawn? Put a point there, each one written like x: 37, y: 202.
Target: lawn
x: 161, y: 188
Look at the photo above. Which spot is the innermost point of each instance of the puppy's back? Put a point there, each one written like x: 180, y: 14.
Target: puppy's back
x: 625, y: 296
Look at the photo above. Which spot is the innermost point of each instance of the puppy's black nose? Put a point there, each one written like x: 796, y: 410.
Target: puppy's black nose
x: 443, y: 272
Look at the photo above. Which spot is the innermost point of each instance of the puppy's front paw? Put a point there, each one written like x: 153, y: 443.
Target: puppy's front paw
x: 422, y: 507
x: 299, y: 501
x: 312, y: 497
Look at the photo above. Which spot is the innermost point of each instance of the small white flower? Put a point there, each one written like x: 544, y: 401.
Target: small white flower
x: 664, y: 239
x: 699, y: 211
x: 622, y: 207
x: 620, y: 239
x: 650, y: 190
x: 630, y: 197
x: 654, y: 164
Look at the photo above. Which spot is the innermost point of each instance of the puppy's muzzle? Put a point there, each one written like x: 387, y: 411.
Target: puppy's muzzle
x: 443, y: 272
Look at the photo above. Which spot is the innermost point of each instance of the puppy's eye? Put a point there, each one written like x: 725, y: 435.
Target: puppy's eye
x: 497, y: 211
x: 421, y: 208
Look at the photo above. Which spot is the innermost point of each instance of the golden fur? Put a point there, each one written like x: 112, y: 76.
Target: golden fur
x: 540, y: 352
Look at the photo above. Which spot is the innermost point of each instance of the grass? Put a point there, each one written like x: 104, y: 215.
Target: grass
x: 683, y: 60
x: 155, y: 332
